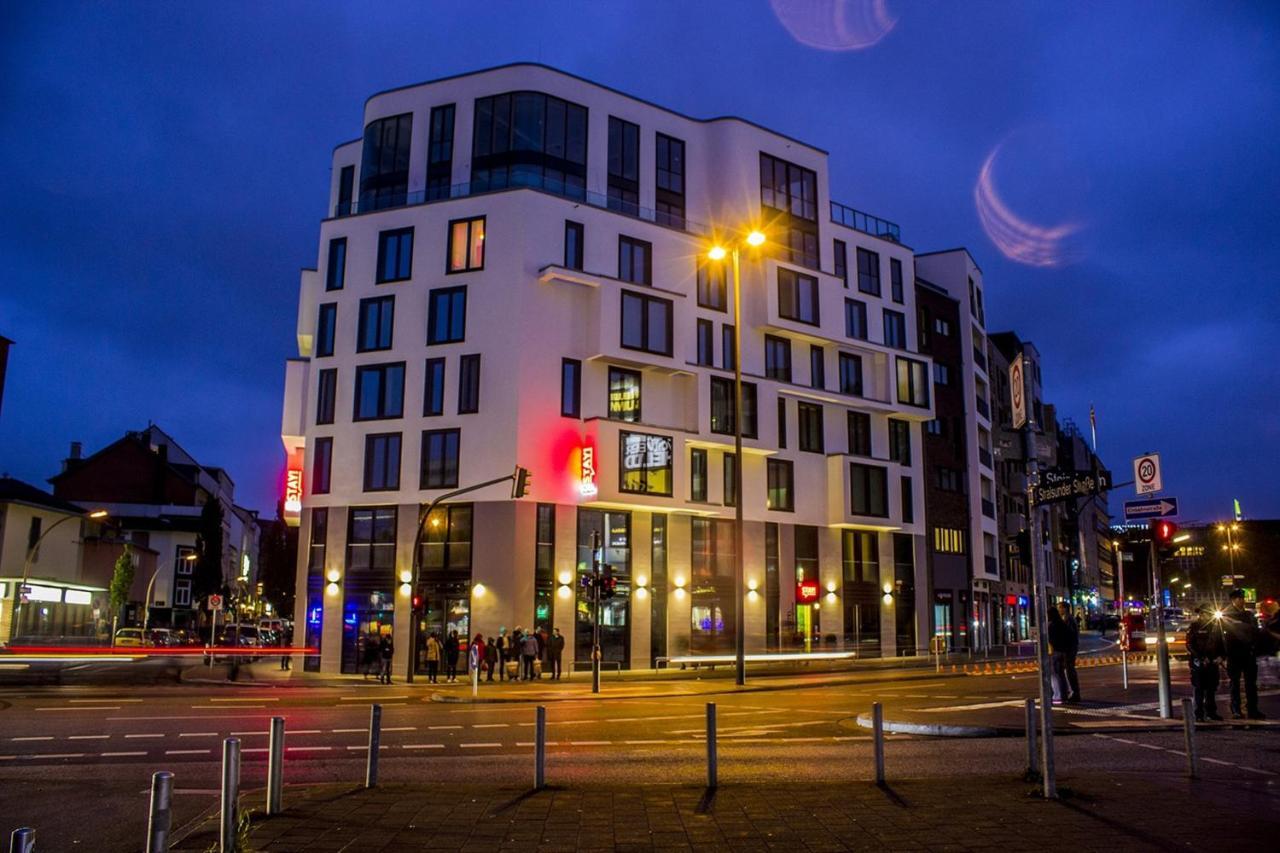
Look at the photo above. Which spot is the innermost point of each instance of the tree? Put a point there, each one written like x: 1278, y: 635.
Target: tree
x: 122, y: 578
x: 207, y: 578
x: 278, y: 562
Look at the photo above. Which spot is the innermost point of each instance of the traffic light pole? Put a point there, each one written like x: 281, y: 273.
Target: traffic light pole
x: 1162, y: 645
x: 595, y: 612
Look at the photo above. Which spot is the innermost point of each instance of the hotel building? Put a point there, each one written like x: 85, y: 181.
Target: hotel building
x: 513, y: 270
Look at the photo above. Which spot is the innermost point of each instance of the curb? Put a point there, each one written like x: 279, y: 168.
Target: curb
x: 930, y: 729
x: 958, y: 731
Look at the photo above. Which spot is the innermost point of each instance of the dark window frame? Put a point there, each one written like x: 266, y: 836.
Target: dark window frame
x: 326, y: 395
x: 750, y: 424
x: 470, y: 222
x: 810, y: 429
x: 793, y: 284
x: 645, y: 333
x: 447, y: 294
x: 469, y: 384
x: 774, y: 347
x: 322, y: 466
x: 635, y: 244
x: 774, y: 485
x: 383, y: 373
x: 326, y: 329
x: 570, y: 373
x: 623, y: 372
x: 433, y: 385
x: 437, y: 476
x: 385, y: 309
x: 875, y: 505
x: 335, y: 273
x: 404, y: 260
x: 847, y: 364
x: 390, y: 475
x: 868, y: 271
x: 575, y: 251
x: 698, y: 475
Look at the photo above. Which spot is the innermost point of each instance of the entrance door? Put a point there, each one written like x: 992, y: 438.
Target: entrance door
x: 365, y: 619
x: 445, y: 611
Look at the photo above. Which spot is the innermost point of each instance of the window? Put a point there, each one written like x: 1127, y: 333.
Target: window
x: 913, y: 382
x: 395, y: 255
x: 326, y: 395
x: 336, y: 272
x: 722, y: 407
x: 321, y: 466
x: 447, y: 315
x: 942, y: 327
x: 439, y: 459
x: 440, y: 152
x: 817, y: 366
x: 842, y: 261
x: 728, y: 358
x: 729, y: 467
x: 377, y: 316
x: 711, y: 607
x: 895, y: 329
x: 780, y: 479
x: 948, y: 540
x: 941, y: 374
x: 382, y: 462
x: 949, y: 479
x: 782, y: 422
x: 446, y: 544
x: 868, y: 272
x: 624, y: 166
x: 384, y: 164
x: 792, y: 191
x: 646, y: 323
x: 544, y: 562
x: 635, y: 260
x: 646, y: 463
x: 528, y: 139
x: 433, y: 388
x: 573, y: 249
x: 859, y: 433
x: 809, y: 417
x: 777, y: 358
x: 698, y: 475
x: 855, y: 319
x: 469, y: 384
x: 899, y: 441
x: 860, y: 554
x: 658, y: 590
x: 669, y: 181
x: 706, y: 343
x: 850, y: 374
x: 346, y: 190
x: 624, y: 395
x: 379, y: 391
x: 867, y: 490
x: 922, y: 328
x: 466, y: 245
x: 712, y: 291
x: 371, y: 539
x: 325, y: 327
x: 571, y: 388
x: 895, y: 280
x: 908, y: 508
x: 797, y: 296
x: 934, y: 427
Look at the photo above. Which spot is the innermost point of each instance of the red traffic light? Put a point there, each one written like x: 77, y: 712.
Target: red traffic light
x: 1164, y: 531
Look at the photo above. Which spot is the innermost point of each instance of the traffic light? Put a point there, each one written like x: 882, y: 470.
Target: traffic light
x: 1163, y: 533
x: 520, y: 482
x: 608, y: 583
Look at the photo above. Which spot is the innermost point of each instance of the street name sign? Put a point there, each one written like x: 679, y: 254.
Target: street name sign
x: 1017, y: 393
x: 1153, y: 508
x: 1058, y: 485
x: 1146, y: 474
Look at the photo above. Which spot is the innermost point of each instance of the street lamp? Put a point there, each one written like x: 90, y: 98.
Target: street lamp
x: 753, y: 239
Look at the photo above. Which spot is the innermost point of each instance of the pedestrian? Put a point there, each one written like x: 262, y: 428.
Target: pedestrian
x: 1241, y: 635
x: 385, y: 652
x: 490, y: 657
x: 476, y: 655
x: 286, y: 640
x: 557, y: 652
x: 529, y: 653
x: 1070, y: 652
x: 1059, y: 635
x: 434, y: 652
x: 452, y: 648
x: 541, y: 636
x: 504, y: 648
x: 369, y: 658
x: 517, y: 649
x: 1204, y: 650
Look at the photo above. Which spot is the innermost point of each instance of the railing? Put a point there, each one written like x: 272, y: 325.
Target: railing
x: 519, y: 181
x: 865, y: 222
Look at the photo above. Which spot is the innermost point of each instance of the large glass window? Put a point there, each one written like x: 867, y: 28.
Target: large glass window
x: 855, y: 319
x: 446, y: 543
x: 635, y: 260
x: 321, y: 466
x: 842, y: 261
x: 544, y: 566
x: 772, y: 587
x: 728, y: 358
x: 860, y: 562
x: 792, y: 191
x: 336, y: 271
x: 658, y: 590
x: 904, y: 603
x: 312, y: 634
x: 571, y: 388
x: 895, y: 329
x: 777, y: 358
x: 669, y: 181
x: 528, y: 139
x: 809, y: 416
x: 895, y: 280
x: 447, y: 315
x: 466, y: 245
x: 913, y: 382
x: 706, y: 342
x: 382, y: 462
x: 646, y: 323
x: 797, y: 296
x: 377, y: 322
x: 440, y: 152
x: 573, y: 247
x: 817, y: 366
x: 859, y: 433
x: 850, y: 374
x: 698, y: 474
x: 469, y: 384
x: 712, y: 607
x: 379, y: 391
x: 371, y: 539
x: 624, y: 395
x: 780, y: 485
x: 395, y: 255
x: 899, y: 441
x: 439, y: 459
x: 326, y: 324
x: 722, y: 407
x: 346, y: 190
x: 613, y: 530
x: 433, y: 388
x: 868, y: 490
x: 645, y: 463
x: 729, y: 478
x: 624, y: 166
x: 869, y: 272
x: 712, y: 290
x: 326, y: 395
x: 384, y: 165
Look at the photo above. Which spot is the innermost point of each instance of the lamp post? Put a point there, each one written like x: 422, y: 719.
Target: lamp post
x: 717, y: 253
x: 96, y: 515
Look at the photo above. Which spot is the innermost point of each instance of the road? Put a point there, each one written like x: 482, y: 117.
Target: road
x: 75, y: 761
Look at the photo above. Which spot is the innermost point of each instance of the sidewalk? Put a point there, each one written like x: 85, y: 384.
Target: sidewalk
x: 1098, y: 812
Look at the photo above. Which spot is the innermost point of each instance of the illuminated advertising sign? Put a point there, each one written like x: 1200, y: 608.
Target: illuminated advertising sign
x: 293, y: 489
x: 646, y: 463
x: 587, y: 473
x: 807, y: 592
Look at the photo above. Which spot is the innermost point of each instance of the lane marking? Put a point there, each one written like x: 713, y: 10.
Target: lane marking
x: 121, y: 754
x: 365, y: 747
x: 156, y: 734
x: 345, y: 731
x: 220, y: 707
x: 397, y: 729
x: 1217, y: 761
x: 590, y: 743
x: 187, y: 751
x: 479, y: 745
x: 499, y: 725
x: 423, y: 746
x: 83, y: 708
x: 88, y: 737
x: 250, y: 699
x: 641, y: 742
x: 256, y: 749
x: 56, y: 755
x: 309, y: 748
x: 33, y: 737
x: 1256, y: 770
x: 197, y: 734
x: 436, y: 728
x: 100, y: 701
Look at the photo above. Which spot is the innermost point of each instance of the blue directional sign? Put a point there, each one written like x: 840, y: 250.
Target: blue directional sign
x: 1150, y: 508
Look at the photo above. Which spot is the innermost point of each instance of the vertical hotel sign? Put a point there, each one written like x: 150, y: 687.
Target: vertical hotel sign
x: 293, y: 489
x: 587, y: 472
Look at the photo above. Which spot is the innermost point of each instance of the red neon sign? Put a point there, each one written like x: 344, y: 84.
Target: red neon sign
x: 807, y: 592
x: 293, y: 490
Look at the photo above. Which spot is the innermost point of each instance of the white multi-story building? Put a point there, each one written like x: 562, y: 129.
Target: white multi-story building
x: 514, y: 269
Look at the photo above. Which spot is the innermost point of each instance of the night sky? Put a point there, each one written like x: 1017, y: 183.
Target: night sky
x: 167, y: 166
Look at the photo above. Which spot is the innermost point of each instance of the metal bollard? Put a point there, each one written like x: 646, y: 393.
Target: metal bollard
x: 540, y: 749
x: 375, y: 736
x: 1031, y: 736
x: 711, y: 745
x: 275, y: 766
x: 160, y: 817
x: 23, y: 840
x: 1189, y: 732
x: 230, y: 817
x: 877, y: 733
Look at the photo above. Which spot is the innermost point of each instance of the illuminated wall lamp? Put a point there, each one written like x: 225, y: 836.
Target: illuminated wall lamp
x: 641, y: 581
x: 566, y: 577
x: 478, y: 590
x: 331, y: 589
x: 752, y: 584
x: 831, y: 586
x: 405, y: 589
x: 406, y: 576
x: 333, y: 575
x: 564, y: 591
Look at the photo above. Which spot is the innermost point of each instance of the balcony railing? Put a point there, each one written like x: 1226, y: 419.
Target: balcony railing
x: 520, y: 181
x: 865, y: 222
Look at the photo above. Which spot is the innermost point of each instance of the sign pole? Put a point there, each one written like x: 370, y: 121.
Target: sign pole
x: 595, y: 612
x: 1162, y: 645
x: 1123, y: 632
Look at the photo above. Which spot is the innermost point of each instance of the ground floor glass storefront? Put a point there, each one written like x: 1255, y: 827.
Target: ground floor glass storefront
x: 443, y: 597
x: 368, y: 606
x: 614, y: 531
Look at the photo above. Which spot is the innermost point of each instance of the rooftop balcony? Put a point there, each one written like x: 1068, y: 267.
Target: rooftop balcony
x: 865, y: 222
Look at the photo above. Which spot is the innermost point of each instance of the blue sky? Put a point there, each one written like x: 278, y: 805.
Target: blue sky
x: 167, y: 167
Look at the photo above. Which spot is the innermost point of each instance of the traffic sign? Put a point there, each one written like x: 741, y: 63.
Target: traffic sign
x: 1146, y: 474
x: 1155, y: 508
x: 1017, y: 392
x: 215, y: 602
x: 1058, y: 485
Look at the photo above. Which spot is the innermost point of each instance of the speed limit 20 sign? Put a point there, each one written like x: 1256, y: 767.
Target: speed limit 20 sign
x: 1146, y: 474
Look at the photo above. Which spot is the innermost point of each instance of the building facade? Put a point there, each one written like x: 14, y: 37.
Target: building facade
x: 513, y: 270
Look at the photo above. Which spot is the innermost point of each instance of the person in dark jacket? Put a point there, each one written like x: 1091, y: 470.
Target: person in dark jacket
x: 504, y: 653
x: 541, y: 636
x: 1204, y: 649
x: 385, y: 652
x: 452, y: 648
x: 490, y: 657
x: 369, y: 655
x: 1072, y: 649
x: 1241, y: 635
x: 1059, y: 640
x: 556, y: 647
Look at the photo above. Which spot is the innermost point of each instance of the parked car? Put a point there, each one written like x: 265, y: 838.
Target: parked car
x: 131, y: 638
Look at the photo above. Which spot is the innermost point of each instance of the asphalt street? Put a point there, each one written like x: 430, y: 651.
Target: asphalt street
x: 75, y: 762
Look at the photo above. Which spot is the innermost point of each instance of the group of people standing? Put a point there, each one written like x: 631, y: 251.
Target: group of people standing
x: 378, y: 652
x: 520, y: 655
x: 1232, y: 635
